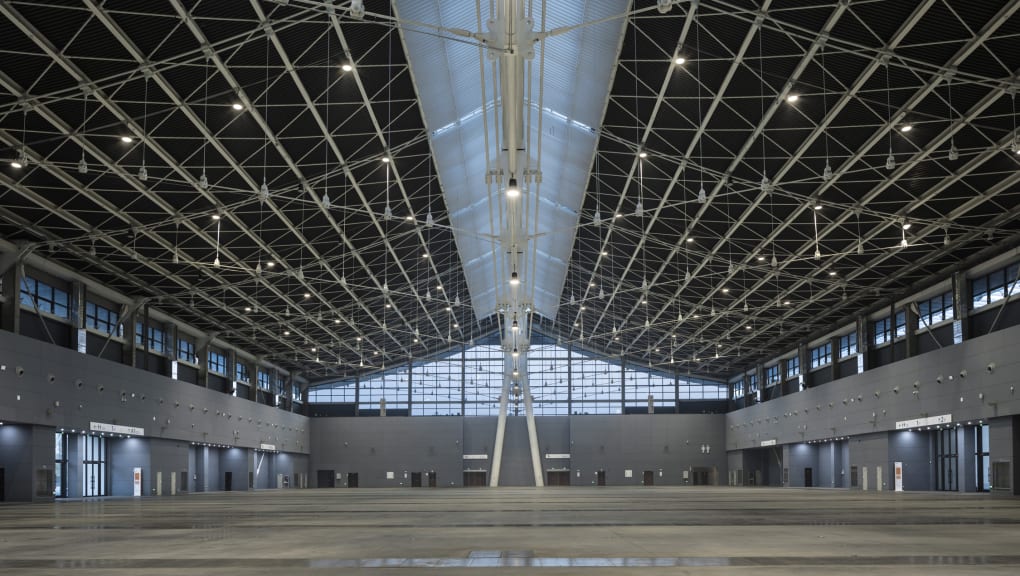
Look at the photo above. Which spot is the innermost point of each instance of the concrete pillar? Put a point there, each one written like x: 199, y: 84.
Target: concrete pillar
x: 834, y: 367
x: 10, y: 313
x: 805, y: 363
x: 961, y: 307
x: 863, y: 344
x: 911, y: 345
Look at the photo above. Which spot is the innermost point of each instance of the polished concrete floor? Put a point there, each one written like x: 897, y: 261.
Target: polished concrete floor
x: 505, y: 531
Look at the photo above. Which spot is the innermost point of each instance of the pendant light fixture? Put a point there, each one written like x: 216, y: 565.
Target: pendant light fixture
x: 827, y: 170
x: 954, y: 154
x: 203, y: 180
x: 766, y: 185
x: 890, y: 161
x: 143, y: 174
x: 83, y: 166
x: 216, y: 262
x: 702, y: 196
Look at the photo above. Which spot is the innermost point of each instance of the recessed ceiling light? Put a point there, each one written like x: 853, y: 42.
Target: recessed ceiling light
x: 906, y: 128
x: 346, y: 67
x: 439, y: 287
x: 786, y: 302
x: 456, y: 325
x: 748, y: 327
x: 832, y: 273
x: 689, y: 240
x: 336, y: 320
x: 247, y: 308
x: 605, y: 253
x: 425, y: 255
x: 726, y: 290
x: 792, y: 98
x: 126, y: 139
x: 270, y: 264
x: 680, y: 60
x: 15, y: 164
x: 761, y: 258
x: 237, y: 106
x: 307, y: 295
x: 286, y: 332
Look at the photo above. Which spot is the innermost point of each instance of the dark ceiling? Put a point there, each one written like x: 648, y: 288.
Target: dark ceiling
x: 709, y: 287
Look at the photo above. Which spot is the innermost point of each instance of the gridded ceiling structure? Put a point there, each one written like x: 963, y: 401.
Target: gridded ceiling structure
x: 224, y: 160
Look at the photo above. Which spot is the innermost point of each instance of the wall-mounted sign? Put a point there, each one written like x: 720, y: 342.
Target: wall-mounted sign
x: 115, y: 429
x: 929, y: 421
x: 771, y: 442
x: 264, y: 446
x: 557, y: 456
x: 898, y: 467
x: 138, y: 481
x: 476, y: 456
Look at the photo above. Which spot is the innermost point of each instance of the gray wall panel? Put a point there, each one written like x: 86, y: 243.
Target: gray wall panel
x: 374, y: 446
x: 875, y: 400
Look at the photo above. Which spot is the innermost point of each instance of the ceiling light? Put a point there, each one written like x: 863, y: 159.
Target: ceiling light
x: 286, y: 332
x: 456, y: 325
x: 726, y: 290
x: 15, y: 164
x: 792, y: 98
x: 515, y: 326
x: 336, y: 320
x: 906, y: 225
x: 357, y: 9
x: 689, y: 240
x: 425, y: 255
x: 642, y: 154
x: 680, y: 60
x: 126, y: 139
x: 215, y: 216
x: 512, y: 190
x: 906, y: 128
x: 761, y: 258
x: 247, y: 308
x: 832, y: 273
x: 307, y: 295
x: 386, y: 159
x: 515, y: 279
x: 346, y: 67
x: 515, y: 353
x: 237, y: 106
x: 270, y: 264
x: 786, y: 302
x: 818, y: 206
